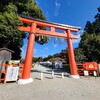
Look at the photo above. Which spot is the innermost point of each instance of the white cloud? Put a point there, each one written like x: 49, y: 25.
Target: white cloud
x: 55, y: 45
x: 57, y: 4
x: 58, y: 41
x: 35, y: 50
x: 46, y: 49
x: 25, y: 45
x: 23, y: 53
x: 79, y: 33
x: 47, y: 14
x: 76, y: 40
x: 22, y: 50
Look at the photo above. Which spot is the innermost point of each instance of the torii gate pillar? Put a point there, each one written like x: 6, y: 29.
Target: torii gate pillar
x: 28, y: 59
x: 73, y: 68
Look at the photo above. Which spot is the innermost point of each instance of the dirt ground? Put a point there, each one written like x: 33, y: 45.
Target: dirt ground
x: 52, y: 89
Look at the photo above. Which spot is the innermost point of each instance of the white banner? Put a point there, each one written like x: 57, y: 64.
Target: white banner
x: 12, y: 74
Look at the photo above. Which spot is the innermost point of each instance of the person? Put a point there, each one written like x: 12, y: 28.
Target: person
x: 52, y: 65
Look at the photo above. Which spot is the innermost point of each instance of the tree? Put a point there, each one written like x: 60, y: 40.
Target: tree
x: 79, y: 55
x: 37, y: 59
x: 91, y: 46
x: 30, y: 8
x: 90, y: 40
x: 10, y: 36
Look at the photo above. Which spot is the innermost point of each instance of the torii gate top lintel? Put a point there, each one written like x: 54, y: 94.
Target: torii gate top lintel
x: 53, y: 26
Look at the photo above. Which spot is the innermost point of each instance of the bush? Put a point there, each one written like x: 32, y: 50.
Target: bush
x: 66, y: 67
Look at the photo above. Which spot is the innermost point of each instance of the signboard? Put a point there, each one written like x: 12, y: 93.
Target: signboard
x: 12, y: 74
x: 5, y: 55
x: 90, y: 66
x: 94, y: 73
x: 86, y: 73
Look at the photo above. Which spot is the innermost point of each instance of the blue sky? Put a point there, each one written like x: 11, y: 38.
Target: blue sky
x: 71, y: 12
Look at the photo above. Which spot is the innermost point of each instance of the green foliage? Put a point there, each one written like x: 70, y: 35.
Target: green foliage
x: 64, y: 55
x: 89, y: 28
x: 79, y: 55
x: 31, y: 9
x: 91, y: 46
x: 97, y: 17
x: 37, y: 59
x: 10, y: 36
x: 66, y: 67
x: 9, y: 26
x: 90, y: 42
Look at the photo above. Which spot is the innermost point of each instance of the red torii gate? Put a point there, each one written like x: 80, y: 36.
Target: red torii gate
x: 33, y: 30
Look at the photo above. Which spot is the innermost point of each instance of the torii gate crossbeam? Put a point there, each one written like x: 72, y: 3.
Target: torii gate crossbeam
x: 33, y: 30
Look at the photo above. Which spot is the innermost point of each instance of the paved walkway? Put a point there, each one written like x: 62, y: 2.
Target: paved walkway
x: 47, y: 72
x: 52, y: 89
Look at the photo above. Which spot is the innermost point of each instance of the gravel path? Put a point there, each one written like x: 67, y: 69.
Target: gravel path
x: 52, y: 89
